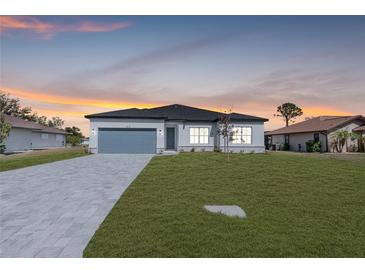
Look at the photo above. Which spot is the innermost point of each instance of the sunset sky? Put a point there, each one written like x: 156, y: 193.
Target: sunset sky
x: 69, y: 66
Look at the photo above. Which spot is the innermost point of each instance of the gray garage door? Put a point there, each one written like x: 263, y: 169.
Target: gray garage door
x: 126, y: 140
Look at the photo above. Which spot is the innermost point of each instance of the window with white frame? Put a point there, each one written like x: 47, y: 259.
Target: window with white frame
x: 44, y: 136
x: 199, y: 135
x: 242, y: 135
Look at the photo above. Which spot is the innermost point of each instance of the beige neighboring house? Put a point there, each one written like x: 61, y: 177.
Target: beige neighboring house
x: 318, y: 129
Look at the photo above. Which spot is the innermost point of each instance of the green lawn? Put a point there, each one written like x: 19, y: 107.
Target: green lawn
x: 297, y: 206
x: 32, y: 158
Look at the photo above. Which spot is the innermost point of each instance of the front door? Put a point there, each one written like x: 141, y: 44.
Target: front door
x: 170, y: 138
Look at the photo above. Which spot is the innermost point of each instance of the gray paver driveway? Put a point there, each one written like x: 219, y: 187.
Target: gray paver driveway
x: 53, y: 210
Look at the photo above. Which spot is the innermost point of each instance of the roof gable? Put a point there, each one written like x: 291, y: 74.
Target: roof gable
x: 173, y: 112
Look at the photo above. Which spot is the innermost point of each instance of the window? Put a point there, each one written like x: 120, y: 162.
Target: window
x: 44, y: 136
x: 199, y: 135
x: 59, y: 137
x: 242, y: 135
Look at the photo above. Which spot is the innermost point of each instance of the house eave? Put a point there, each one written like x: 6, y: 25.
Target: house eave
x: 299, y: 132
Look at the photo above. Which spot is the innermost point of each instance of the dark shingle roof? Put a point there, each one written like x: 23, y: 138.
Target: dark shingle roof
x: 317, y: 124
x: 20, y: 123
x: 174, y: 112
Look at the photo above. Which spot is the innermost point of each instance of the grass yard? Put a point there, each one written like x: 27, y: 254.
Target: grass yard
x: 32, y: 158
x: 296, y: 206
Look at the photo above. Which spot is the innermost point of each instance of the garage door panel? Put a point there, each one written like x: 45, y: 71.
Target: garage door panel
x: 115, y: 140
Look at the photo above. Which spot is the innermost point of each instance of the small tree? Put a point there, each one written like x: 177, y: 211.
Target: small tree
x: 73, y: 140
x: 288, y: 111
x: 224, y: 129
x: 74, y: 131
x: 75, y: 135
x: 4, y: 132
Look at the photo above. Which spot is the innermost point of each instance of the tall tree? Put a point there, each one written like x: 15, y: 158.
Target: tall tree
x: 4, y: 132
x: 288, y: 111
x: 11, y: 106
x: 55, y: 122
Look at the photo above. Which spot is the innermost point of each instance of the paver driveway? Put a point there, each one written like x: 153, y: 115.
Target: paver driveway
x: 53, y: 210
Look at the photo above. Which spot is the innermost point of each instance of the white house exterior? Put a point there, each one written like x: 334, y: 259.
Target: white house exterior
x: 320, y: 128
x: 174, y: 128
x: 25, y: 135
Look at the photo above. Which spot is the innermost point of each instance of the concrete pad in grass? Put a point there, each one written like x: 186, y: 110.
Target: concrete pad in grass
x: 229, y: 210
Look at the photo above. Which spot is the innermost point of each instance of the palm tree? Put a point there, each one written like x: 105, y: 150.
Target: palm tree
x: 340, y: 140
x: 360, y: 140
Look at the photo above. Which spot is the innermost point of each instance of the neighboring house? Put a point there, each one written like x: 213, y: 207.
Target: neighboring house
x: 25, y: 135
x: 318, y: 129
x: 173, y: 127
x: 360, y: 130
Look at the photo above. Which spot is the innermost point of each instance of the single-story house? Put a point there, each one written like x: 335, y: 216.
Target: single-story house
x: 25, y: 135
x: 360, y: 130
x: 317, y: 129
x: 171, y: 128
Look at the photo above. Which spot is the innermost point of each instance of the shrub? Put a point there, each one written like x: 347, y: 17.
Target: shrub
x: 2, y: 148
x: 313, y: 146
x: 217, y: 149
x: 192, y: 149
x: 285, y: 147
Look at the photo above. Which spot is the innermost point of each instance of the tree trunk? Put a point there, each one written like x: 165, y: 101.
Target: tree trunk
x: 228, y: 148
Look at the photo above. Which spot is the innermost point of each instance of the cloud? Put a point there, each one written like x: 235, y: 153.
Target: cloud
x: 47, y: 30
x: 166, y: 53
x: 43, y: 96
x: 129, y: 84
x: 334, y: 92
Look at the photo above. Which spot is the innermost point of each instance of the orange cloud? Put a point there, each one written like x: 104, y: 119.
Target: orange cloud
x: 57, y: 99
x: 47, y: 29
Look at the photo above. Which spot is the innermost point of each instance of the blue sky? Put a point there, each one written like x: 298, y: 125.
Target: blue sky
x: 75, y: 65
